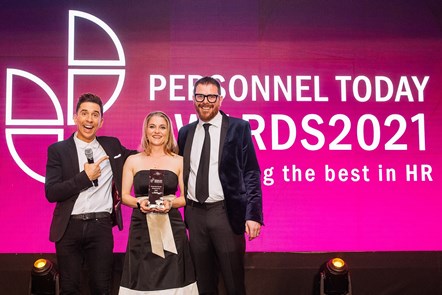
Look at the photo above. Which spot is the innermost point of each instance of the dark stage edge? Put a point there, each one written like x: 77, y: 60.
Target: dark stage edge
x: 374, y: 273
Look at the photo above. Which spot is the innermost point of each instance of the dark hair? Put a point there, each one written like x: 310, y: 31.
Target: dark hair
x: 207, y: 80
x: 90, y: 97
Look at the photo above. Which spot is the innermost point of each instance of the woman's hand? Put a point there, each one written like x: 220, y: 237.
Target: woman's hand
x: 143, y: 205
x: 167, y: 206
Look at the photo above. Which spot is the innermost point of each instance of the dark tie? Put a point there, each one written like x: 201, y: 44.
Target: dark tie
x: 202, y: 176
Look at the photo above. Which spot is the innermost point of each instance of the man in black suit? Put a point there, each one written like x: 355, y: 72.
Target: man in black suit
x: 218, y: 216
x: 87, y: 200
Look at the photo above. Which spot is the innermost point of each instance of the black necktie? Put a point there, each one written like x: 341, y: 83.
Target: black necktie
x: 202, y: 176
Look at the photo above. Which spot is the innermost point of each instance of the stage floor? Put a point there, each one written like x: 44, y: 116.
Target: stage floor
x: 372, y: 273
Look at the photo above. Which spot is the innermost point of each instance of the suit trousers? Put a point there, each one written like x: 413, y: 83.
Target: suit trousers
x: 88, y: 242
x: 214, y: 248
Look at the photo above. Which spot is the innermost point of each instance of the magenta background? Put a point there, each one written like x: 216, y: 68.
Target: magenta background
x: 399, y: 38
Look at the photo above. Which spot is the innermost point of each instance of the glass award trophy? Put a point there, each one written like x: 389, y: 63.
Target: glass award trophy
x: 156, y: 188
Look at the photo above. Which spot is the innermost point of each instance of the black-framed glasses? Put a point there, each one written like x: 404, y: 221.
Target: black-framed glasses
x: 210, y: 97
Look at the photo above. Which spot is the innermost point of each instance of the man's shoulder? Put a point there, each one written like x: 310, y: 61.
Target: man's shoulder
x: 186, y: 128
x: 232, y: 119
x: 108, y: 139
x: 237, y: 121
x: 61, y: 144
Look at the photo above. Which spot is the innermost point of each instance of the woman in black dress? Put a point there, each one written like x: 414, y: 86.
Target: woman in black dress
x: 149, y: 269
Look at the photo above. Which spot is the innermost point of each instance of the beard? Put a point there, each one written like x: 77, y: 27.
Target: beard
x: 206, y: 112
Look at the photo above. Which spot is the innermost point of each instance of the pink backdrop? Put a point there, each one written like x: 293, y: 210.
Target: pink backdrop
x: 281, y: 66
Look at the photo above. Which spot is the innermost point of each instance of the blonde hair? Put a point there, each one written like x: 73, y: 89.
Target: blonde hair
x: 170, y: 146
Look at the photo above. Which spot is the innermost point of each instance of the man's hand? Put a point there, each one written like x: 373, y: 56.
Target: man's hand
x: 93, y: 171
x: 253, y: 229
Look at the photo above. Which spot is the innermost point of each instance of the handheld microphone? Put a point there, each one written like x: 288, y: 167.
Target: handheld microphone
x: 90, y: 159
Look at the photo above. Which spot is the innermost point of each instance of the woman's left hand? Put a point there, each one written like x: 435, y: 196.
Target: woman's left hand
x: 167, y: 206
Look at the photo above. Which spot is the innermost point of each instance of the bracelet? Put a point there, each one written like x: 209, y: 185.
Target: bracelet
x: 138, y: 205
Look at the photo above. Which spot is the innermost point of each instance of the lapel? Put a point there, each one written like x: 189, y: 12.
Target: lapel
x: 187, y: 148
x: 104, y: 146
x: 109, y: 151
x: 72, y: 154
x: 222, y: 138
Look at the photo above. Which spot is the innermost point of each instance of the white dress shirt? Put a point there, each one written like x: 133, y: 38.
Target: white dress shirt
x: 215, y: 189
x: 96, y: 198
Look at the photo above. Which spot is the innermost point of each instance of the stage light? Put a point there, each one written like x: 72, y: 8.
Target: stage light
x: 44, y: 278
x: 335, y: 278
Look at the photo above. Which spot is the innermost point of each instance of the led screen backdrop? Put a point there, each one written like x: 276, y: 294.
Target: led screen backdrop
x: 343, y: 97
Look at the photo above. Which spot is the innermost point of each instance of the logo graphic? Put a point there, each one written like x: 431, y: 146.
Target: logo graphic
x: 29, y: 125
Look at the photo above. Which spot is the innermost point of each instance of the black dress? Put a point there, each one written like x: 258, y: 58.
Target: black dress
x: 144, y: 271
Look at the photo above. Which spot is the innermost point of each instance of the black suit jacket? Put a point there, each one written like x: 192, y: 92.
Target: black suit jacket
x: 64, y: 181
x: 239, y: 171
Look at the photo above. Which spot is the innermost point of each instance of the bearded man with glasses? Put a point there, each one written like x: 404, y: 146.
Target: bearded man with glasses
x: 222, y: 189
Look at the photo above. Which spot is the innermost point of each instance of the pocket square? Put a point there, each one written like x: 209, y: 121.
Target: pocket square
x: 117, y: 156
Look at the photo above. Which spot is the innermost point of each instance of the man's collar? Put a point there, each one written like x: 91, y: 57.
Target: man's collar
x: 83, y: 145
x: 216, y: 121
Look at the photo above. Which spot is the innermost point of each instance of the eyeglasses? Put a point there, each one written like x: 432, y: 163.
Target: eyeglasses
x: 210, y: 97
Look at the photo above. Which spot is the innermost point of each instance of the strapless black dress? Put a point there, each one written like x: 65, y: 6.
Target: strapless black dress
x: 145, y: 271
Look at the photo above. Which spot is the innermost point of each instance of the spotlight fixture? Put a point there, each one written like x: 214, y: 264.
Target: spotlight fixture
x: 44, y: 278
x: 335, y: 278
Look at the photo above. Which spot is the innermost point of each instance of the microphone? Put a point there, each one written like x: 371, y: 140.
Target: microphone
x: 90, y: 159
